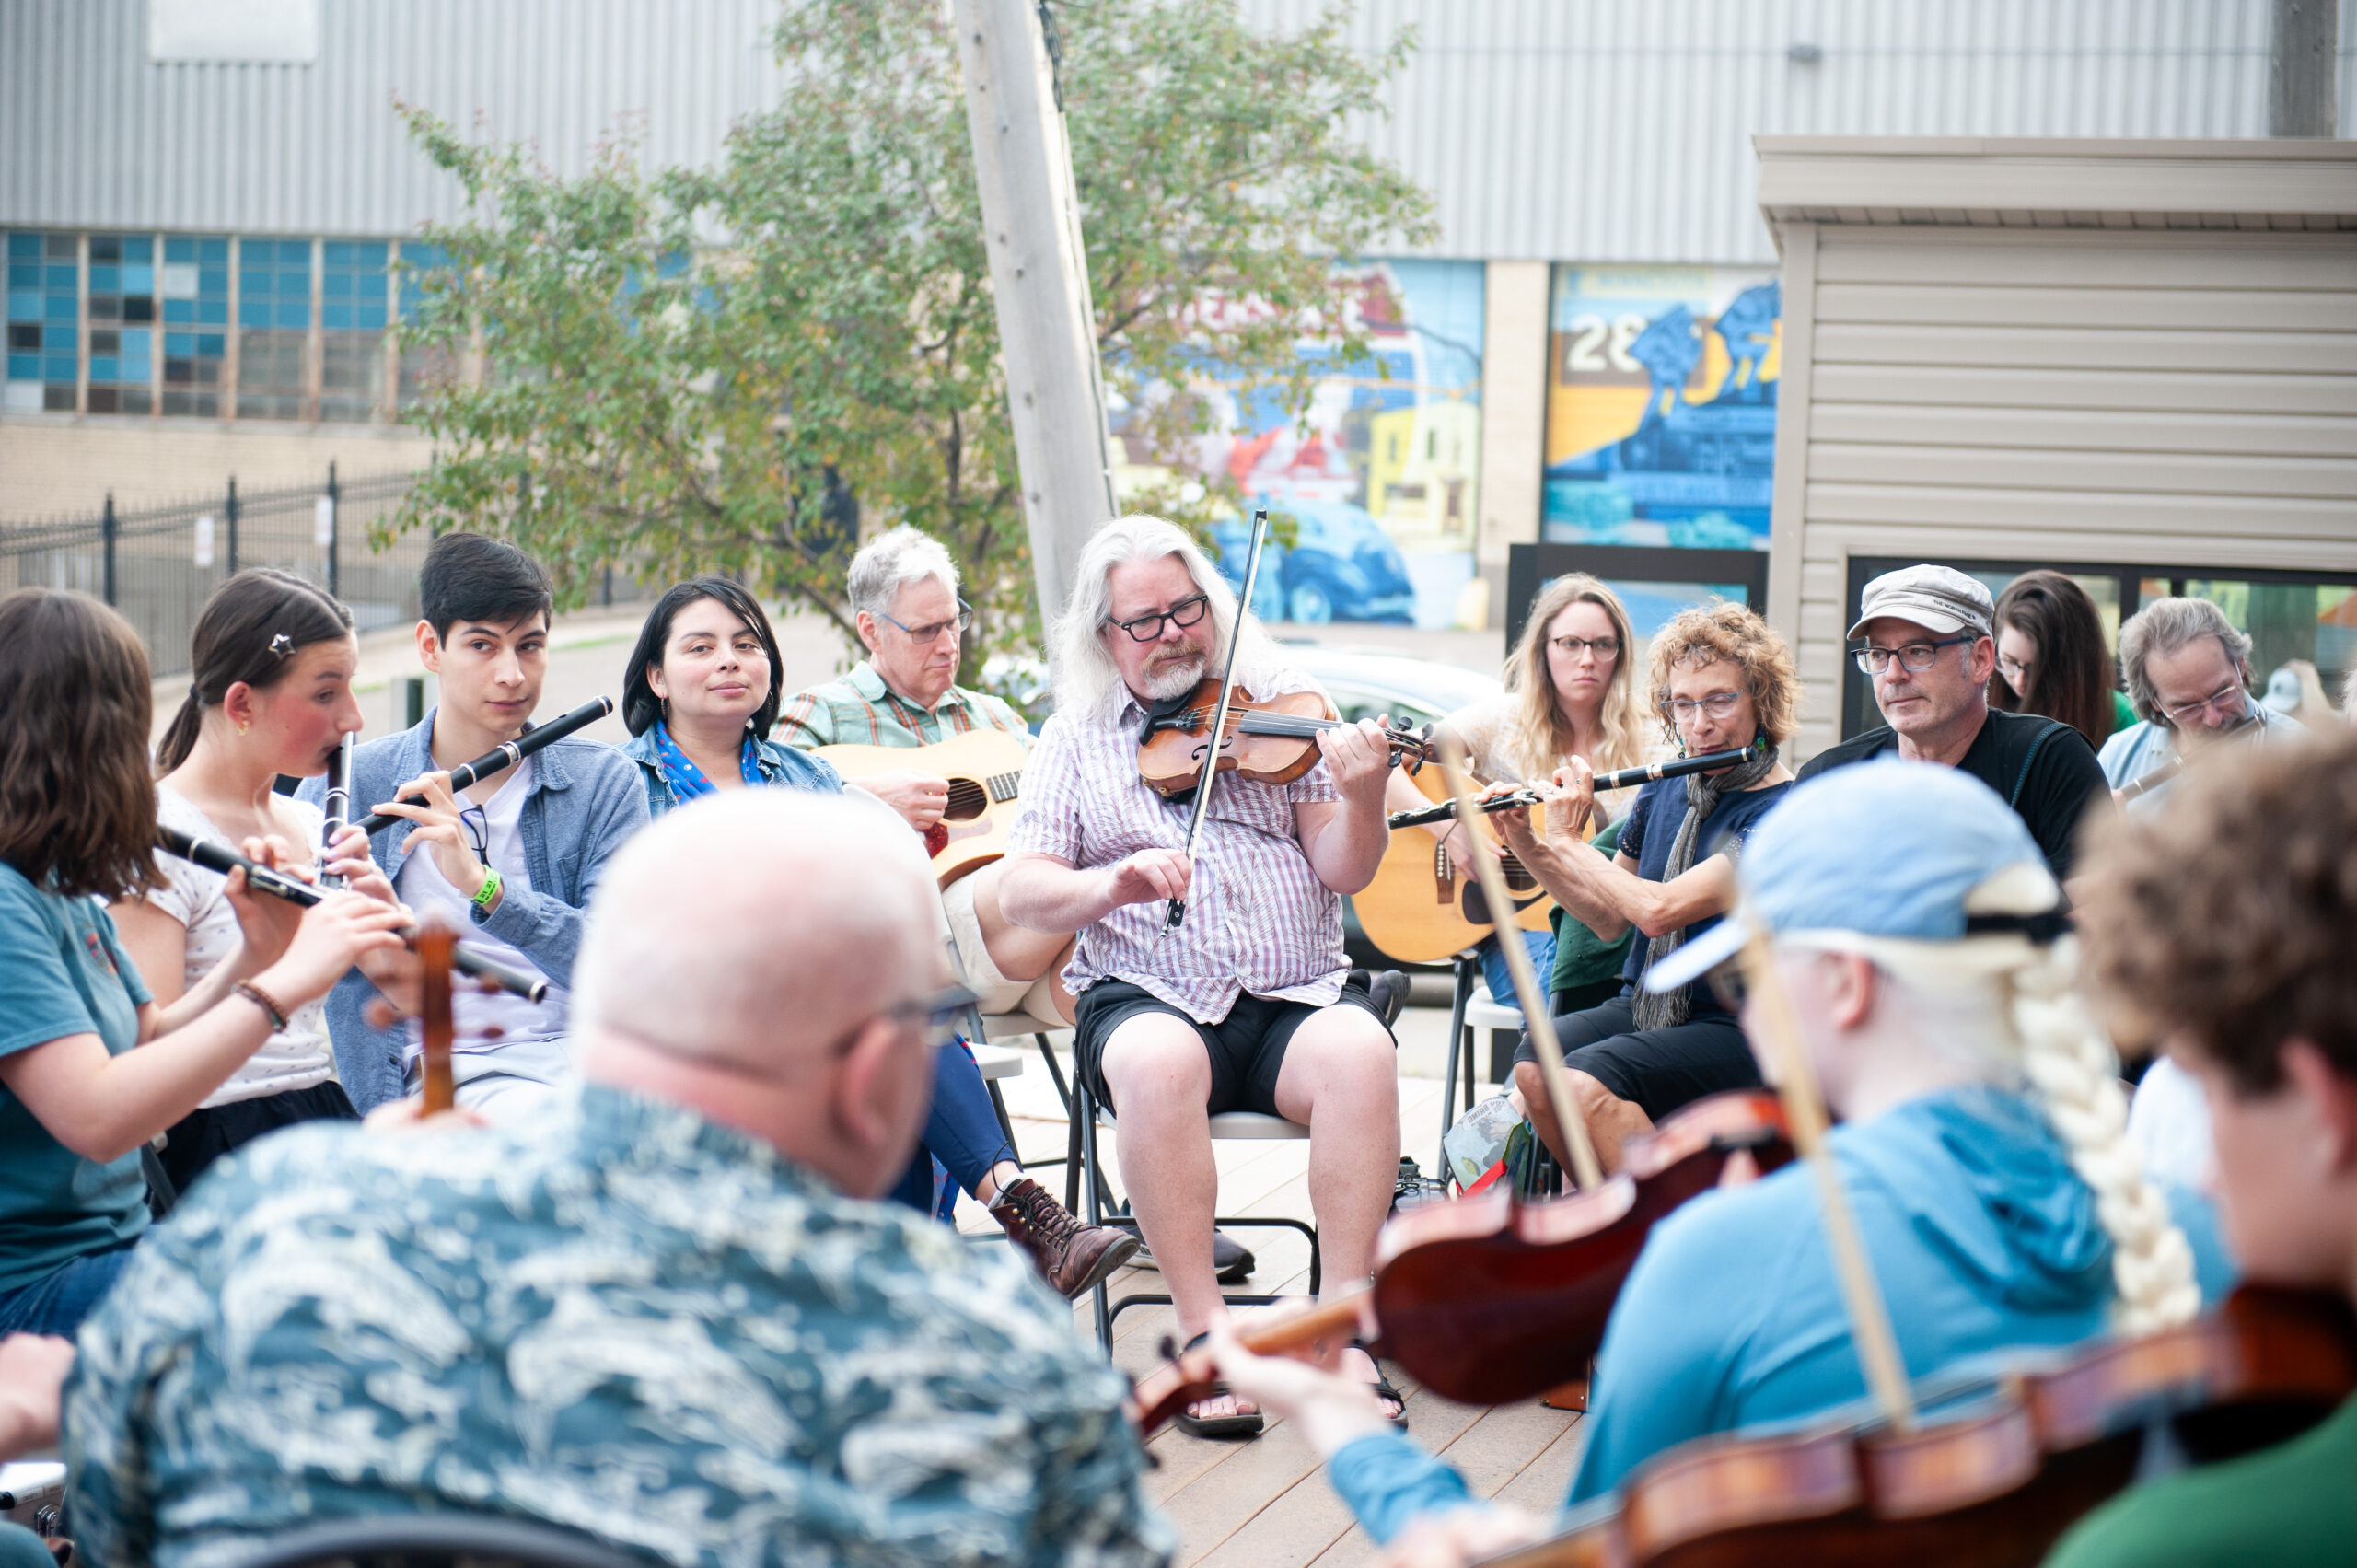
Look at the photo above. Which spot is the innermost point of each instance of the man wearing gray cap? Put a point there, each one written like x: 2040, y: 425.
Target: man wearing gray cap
x: 1925, y: 636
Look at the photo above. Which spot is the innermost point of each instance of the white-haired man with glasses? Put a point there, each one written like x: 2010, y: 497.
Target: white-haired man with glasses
x: 1926, y: 636
x: 1248, y: 1004
x: 904, y: 590
x: 2187, y: 674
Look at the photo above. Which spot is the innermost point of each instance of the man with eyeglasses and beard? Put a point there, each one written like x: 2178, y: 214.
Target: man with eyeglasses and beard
x: 1248, y: 1004
x: 1926, y: 636
x: 2188, y: 675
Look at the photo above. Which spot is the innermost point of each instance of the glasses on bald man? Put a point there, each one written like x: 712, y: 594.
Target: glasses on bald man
x: 936, y: 1014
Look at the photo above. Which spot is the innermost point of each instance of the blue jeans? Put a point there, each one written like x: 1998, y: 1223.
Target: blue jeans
x: 57, y: 1302
x: 1501, y: 979
x: 962, y: 1133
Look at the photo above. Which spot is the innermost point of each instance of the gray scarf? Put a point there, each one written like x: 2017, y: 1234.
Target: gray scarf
x: 1668, y: 1009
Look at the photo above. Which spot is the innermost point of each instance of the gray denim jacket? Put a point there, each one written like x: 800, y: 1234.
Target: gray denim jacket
x: 585, y: 799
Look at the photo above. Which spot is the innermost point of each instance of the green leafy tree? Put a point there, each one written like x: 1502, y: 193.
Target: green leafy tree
x: 736, y: 368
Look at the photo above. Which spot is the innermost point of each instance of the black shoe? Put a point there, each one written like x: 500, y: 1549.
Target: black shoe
x: 1389, y: 992
x: 1231, y: 1262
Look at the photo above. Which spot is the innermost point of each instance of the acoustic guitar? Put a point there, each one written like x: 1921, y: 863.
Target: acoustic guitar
x: 984, y: 768
x: 1422, y: 908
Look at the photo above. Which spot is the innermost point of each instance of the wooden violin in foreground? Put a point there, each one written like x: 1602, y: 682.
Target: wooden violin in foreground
x: 1492, y: 1298
x: 1994, y: 1486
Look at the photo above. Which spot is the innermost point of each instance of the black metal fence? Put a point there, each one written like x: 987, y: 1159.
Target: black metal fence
x: 158, y: 565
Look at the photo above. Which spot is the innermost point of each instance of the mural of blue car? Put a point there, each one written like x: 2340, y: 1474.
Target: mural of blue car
x: 1343, y: 566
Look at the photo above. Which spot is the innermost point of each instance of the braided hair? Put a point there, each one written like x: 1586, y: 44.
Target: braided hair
x: 2024, y: 995
x: 2075, y: 1072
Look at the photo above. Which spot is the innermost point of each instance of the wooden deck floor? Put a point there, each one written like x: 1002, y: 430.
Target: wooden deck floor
x: 1266, y: 1502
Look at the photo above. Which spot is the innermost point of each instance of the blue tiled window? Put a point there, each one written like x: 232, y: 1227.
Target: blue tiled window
x: 354, y: 294
x: 44, y: 317
x: 194, y: 283
x: 111, y: 323
x: 274, y: 328
x: 122, y: 322
x: 420, y: 367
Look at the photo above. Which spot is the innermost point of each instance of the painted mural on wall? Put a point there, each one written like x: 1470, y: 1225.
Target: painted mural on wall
x: 1382, y: 476
x: 1661, y: 406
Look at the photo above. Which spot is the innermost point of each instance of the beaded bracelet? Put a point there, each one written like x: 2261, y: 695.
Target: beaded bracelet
x: 262, y: 999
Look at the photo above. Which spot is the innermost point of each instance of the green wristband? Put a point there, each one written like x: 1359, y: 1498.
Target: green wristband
x: 488, y: 894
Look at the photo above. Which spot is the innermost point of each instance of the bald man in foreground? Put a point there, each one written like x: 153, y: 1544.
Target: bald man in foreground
x: 673, y: 1318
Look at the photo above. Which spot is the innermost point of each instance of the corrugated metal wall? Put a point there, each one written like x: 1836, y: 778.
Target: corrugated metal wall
x: 1558, y: 129
x: 93, y: 135
x: 1603, y: 131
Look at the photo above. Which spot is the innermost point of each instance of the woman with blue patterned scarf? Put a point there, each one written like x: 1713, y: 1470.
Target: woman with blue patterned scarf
x: 700, y: 695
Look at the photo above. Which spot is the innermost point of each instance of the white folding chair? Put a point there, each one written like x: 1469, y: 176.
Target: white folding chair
x: 1019, y: 1026
x: 1089, y: 1116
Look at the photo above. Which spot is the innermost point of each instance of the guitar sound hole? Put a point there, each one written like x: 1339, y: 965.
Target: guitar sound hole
x: 967, y: 800
x: 1518, y: 876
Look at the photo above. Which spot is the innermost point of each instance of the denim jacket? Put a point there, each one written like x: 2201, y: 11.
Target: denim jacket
x: 582, y: 803
x: 780, y: 765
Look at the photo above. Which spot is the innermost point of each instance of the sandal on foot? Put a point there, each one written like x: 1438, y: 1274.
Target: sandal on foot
x: 1219, y: 1427
x: 1383, y: 1389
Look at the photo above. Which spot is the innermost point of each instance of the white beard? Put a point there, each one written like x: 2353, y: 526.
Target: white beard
x: 1176, y: 680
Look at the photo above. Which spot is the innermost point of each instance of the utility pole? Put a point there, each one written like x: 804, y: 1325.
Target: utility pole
x: 2302, y: 52
x: 1039, y: 281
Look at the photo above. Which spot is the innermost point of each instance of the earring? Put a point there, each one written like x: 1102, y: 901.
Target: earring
x: 241, y: 726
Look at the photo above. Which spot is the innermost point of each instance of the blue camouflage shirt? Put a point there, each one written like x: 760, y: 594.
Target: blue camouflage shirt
x: 628, y: 1320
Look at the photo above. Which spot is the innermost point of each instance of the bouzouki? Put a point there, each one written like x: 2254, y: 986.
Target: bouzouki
x: 984, y: 768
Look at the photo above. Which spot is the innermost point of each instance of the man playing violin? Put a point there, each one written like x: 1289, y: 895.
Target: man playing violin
x: 2223, y: 924
x: 1932, y: 990
x: 1246, y: 1004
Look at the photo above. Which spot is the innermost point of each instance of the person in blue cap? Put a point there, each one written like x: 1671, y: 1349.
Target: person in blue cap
x: 1914, y: 920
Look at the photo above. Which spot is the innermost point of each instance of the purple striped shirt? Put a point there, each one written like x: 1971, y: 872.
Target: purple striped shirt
x: 1257, y: 918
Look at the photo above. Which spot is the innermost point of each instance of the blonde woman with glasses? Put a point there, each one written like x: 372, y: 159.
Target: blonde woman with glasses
x: 1570, y: 692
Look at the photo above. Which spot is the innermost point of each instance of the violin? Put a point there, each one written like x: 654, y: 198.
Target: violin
x: 436, y: 946
x: 1996, y: 1485
x: 1263, y: 741
x: 1492, y: 1298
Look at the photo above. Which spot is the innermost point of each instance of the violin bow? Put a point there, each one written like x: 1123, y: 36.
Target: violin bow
x: 1178, y: 910
x: 1804, y: 1099
x: 435, y: 944
x: 1585, y: 1167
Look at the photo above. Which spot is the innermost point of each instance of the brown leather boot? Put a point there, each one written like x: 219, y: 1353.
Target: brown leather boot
x: 1072, y: 1255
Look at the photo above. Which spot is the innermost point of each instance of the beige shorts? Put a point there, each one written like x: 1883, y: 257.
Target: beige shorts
x: 1000, y: 997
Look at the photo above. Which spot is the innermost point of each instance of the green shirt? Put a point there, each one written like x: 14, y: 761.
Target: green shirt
x: 2123, y: 712
x: 1581, y: 957
x: 858, y: 709
x: 2287, y: 1506
x: 62, y: 972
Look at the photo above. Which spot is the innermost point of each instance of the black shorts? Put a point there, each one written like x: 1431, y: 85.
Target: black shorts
x: 1247, y: 1048
x: 204, y: 1135
x: 1655, y: 1070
